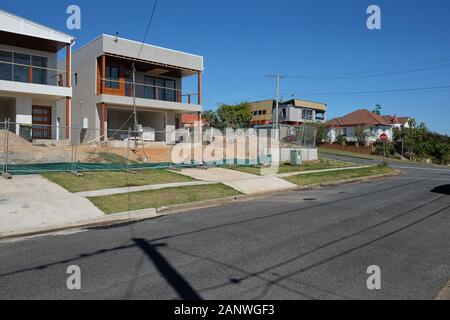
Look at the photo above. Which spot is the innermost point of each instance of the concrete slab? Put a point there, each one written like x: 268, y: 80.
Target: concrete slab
x: 218, y: 175
x: 34, y: 202
x: 261, y: 185
x: 243, y: 182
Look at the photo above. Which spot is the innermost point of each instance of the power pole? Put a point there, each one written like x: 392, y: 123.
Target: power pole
x: 134, y: 106
x: 277, y: 77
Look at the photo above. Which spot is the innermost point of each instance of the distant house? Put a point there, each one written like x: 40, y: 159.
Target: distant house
x: 398, y: 122
x: 292, y: 112
x: 373, y: 124
x: 189, y: 120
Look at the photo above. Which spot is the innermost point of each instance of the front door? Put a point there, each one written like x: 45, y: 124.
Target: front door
x: 42, y: 122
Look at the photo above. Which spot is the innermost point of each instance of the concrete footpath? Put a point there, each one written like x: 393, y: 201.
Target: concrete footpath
x: 113, y: 191
x: 243, y: 182
x: 34, y: 202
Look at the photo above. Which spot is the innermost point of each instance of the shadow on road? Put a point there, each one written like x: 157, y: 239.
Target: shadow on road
x: 444, y: 189
x: 176, y: 281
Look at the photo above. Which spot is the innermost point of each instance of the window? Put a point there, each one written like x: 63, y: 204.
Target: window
x: 129, y: 85
x: 21, y: 69
x: 149, y: 87
x: 170, y: 90
x: 308, y: 114
x: 166, y: 89
x: 283, y: 113
x: 6, y: 67
x: 112, y: 77
x: 75, y: 79
x: 159, y: 83
x: 39, y: 69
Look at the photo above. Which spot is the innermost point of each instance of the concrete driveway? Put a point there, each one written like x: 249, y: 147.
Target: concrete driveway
x: 34, y: 202
x: 243, y: 182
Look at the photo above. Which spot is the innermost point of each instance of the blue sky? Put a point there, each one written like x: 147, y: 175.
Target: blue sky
x: 243, y: 41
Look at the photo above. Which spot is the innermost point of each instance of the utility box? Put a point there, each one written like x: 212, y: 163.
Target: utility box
x: 295, y: 157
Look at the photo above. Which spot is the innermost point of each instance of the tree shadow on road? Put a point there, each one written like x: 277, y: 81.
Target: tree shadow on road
x: 444, y: 189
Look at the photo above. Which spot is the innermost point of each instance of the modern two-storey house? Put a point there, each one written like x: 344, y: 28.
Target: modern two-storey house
x: 34, y: 94
x: 103, y: 88
x: 293, y: 112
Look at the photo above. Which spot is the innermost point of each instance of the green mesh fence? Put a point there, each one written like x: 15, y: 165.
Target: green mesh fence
x: 24, y: 169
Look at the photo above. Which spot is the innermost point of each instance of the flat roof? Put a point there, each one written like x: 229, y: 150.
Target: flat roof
x: 11, y: 24
x: 149, y: 53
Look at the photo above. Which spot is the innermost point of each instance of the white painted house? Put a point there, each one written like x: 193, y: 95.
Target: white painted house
x: 33, y: 92
x: 103, y: 88
x: 373, y: 124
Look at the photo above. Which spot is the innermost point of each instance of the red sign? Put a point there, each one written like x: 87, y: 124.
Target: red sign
x: 383, y: 137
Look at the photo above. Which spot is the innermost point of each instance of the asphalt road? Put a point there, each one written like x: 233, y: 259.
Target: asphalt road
x: 314, y: 244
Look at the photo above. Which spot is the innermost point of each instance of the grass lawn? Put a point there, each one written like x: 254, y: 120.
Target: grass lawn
x: 113, y: 179
x: 349, y: 154
x: 161, y: 198
x: 307, y: 166
x: 317, y: 178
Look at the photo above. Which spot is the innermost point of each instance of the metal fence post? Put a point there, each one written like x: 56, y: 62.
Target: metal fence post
x: 74, y: 148
x: 128, y: 150
x: 6, y: 146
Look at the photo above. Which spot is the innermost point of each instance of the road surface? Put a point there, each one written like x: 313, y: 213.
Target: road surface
x: 314, y: 244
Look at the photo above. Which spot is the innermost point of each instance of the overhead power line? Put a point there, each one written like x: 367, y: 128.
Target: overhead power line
x: 148, y: 28
x: 407, y: 90
x: 443, y: 63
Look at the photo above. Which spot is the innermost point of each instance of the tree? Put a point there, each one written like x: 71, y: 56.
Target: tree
x: 234, y: 116
x: 209, y: 118
x: 377, y: 109
x: 361, y: 135
x: 321, y: 133
x: 421, y: 144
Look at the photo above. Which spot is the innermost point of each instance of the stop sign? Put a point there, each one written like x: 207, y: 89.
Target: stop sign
x: 383, y: 137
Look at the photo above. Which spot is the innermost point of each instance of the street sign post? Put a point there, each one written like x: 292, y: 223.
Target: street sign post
x: 383, y: 138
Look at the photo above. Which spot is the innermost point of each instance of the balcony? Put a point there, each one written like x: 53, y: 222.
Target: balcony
x: 149, y: 91
x: 27, y: 74
x: 155, y: 86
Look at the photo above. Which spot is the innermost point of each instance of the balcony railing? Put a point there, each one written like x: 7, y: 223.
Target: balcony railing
x: 17, y: 72
x: 147, y: 91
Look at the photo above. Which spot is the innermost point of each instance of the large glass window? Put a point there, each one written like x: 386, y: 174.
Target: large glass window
x: 160, y: 83
x: 112, y: 77
x: 170, y: 90
x: 166, y: 89
x: 21, y: 68
x: 149, y: 89
x: 6, y: 66
x: 39, y: 69
x: 308, y: 114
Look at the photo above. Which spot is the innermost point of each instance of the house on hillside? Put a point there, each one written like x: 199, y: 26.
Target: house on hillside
x: 373, y: 124
x: 293, y: 112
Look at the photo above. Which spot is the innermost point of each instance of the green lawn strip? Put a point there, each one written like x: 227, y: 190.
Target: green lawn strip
x: 161, y: 198
x: 322, y: 177
x: 348, y: 154
x: 114, y: 179
x: 307, y: 166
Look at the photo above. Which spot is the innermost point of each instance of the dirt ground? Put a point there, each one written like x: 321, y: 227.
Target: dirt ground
x: 21, y: 151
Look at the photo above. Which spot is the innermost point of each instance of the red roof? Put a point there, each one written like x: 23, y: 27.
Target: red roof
x: 189, y: 118
x: 358, y: 117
